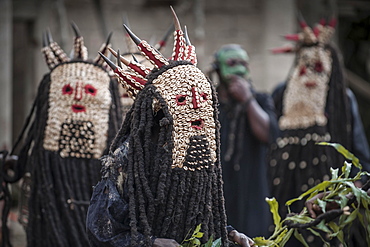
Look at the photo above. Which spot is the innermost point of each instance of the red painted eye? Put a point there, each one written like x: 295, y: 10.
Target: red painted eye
x: 89, y: 89
x: 67, y: 89
x: 302, y: 71
x: 318, y: 67
x: 203, y: 97
x: 181, y: 99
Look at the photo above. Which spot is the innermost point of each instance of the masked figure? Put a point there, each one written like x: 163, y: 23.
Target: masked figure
x: 248, y: 126
x: 162, y: 177
x: 314, y: 105
x: 77, y: 114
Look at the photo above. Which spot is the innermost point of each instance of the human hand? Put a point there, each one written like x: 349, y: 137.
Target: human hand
x: 239, y: 88
x: 165, y: 242
x: 315, y: 210
x: 241, y: 239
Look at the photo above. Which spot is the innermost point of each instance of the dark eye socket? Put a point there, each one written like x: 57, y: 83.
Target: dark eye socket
x: 89, y: 89
x: 302, y: 71
x: 232, y: 62
x: 67, y: 89
x: 318, y: 67
x: 181, y: 99
x: 203, y: 97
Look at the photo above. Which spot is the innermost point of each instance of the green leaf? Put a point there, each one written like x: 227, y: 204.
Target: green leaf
x: 346, y: 169
x: 298, y: 218
x: 217, y: 243
x: 209, y: 242
x: 299, y: 236
x: 196, y: 242
x: 261, y: 241
x: 198, y: 235
x: 274, y: 209
x: 322, y: 226
x: 322, y: 204
x: 285, y: 238
x: 347, y: 154
x: 320, y: 187
x: 334, y: 173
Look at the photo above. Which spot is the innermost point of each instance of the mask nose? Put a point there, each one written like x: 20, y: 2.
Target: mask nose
x: 78, y: 91
x: 195, y: 98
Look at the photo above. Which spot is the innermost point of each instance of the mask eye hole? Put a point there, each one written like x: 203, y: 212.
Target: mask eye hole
x: 203, y: 97
x: 67, y: 89
x: 181, y: 99
x: 89, y: 89
x: 231, y: 62
x: 302, y: 71
x: 318, y: 67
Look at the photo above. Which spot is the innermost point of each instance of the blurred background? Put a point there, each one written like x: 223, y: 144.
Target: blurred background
x: 258, y: 25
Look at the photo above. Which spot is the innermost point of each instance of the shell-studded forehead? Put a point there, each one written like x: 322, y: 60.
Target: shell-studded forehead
x: 183, y: 76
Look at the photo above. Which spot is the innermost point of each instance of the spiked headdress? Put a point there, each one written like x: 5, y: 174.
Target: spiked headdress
x: 134, y: 79
x: 319, y: 35
x: 54, y: 54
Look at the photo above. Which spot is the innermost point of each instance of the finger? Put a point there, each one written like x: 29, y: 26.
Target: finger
x: 310, y: 210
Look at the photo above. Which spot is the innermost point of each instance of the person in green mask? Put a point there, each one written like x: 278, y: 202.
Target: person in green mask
x: 248, y: 125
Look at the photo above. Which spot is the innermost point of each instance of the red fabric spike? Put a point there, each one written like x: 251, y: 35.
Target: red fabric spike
x: 285, y: 49
x: 190, y: 54
x: 150, y: 53
x: 303, y: 24
x: 293, y: 37
x: 138, y: 68
x: 333, y: 22
x: 179, y: 46
x: 132, y: 81
x: 316, y: 30
x: 322, y: 21
x: 134, y: 66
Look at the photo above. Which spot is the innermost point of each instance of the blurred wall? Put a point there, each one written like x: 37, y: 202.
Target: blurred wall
x: 255, y: 24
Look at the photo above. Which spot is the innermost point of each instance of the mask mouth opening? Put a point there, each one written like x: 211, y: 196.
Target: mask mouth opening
x: 78, y: 108
x: 197, y: 124
x: 310, y: 84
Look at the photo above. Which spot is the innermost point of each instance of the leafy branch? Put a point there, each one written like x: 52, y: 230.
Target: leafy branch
x: 336, y: 190
x: 194, y: 240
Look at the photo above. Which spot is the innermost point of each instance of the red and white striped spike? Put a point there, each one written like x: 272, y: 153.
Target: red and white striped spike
x: 284, y: 49
x: 150, y: 53
x: 179, y: 40
x: 133, y: 66
x: 133, y: 83
x: 328, y: 31
x: 190, y: 49
x: 294, y: 37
